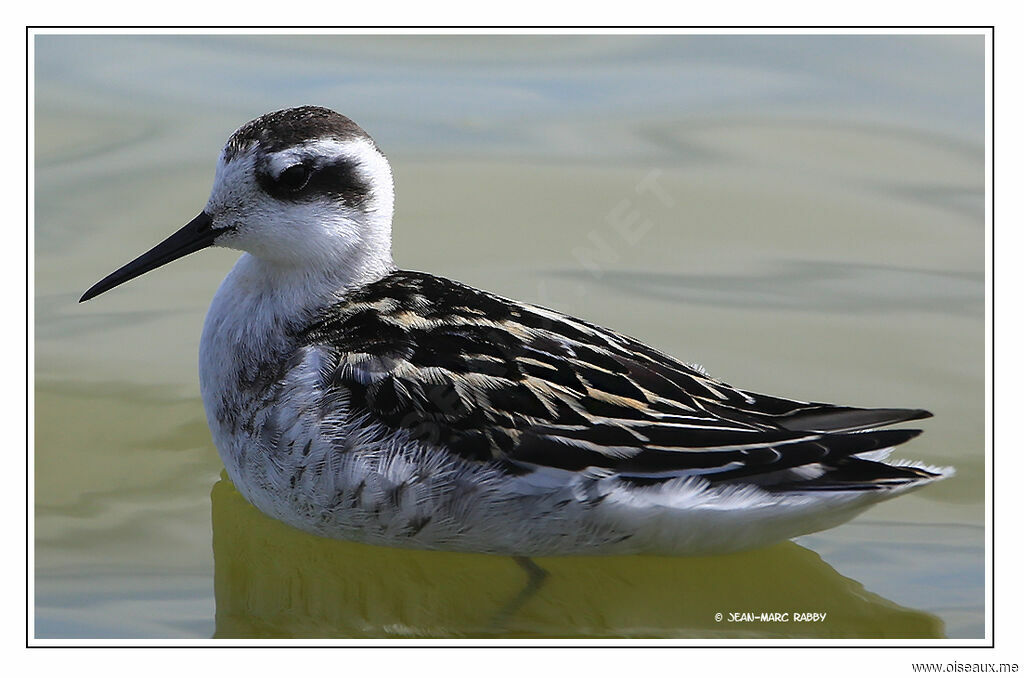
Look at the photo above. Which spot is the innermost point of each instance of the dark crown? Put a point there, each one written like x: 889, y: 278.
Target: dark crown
x: 292, y: 126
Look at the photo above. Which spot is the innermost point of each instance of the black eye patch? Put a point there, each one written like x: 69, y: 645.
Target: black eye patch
x: 303, y: 182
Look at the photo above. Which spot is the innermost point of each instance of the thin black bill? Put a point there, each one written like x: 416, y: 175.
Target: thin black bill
x: 192, y: 237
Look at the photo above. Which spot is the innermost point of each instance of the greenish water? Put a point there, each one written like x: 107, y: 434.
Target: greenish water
x: 817, y: 232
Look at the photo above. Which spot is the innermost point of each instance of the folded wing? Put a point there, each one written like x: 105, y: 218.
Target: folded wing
x: 493, y: 379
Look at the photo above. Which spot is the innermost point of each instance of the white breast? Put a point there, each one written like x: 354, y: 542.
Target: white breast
x: 243, y: 341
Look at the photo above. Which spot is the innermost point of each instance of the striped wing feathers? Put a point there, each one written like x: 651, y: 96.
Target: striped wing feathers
x: 494, y: 379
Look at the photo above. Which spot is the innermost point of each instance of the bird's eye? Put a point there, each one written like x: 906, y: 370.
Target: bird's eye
x: 295, y: 177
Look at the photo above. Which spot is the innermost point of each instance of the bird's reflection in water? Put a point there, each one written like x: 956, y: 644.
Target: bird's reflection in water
x: 273, y: 581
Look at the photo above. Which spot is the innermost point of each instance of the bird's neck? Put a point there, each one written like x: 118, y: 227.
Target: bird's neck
x: 251, y: 326
x: 287, y: 289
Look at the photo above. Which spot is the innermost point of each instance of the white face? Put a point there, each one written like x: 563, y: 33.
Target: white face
x: 323, y: 200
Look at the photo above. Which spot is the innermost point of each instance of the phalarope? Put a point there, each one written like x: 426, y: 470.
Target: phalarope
x: 357, y: 401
